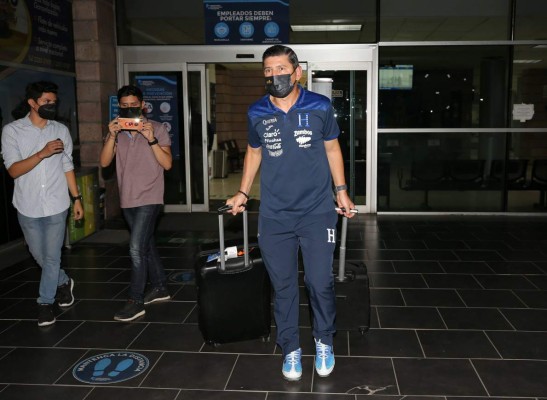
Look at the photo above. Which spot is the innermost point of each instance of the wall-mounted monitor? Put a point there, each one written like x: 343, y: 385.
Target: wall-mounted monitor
x: 396, y: 77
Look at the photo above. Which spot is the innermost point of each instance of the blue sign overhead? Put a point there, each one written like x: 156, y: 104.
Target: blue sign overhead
x: 246, y: 21
x: 108, y: 368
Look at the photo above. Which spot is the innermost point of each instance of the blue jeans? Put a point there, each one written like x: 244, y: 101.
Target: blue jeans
x: 45, y: 237
x: 145, y: 260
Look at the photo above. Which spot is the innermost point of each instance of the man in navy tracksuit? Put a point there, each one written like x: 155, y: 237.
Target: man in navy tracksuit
x: 293, y: 138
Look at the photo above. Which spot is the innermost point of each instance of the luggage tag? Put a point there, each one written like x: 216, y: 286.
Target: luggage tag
x: 231, y: 252
x: 213, y: 257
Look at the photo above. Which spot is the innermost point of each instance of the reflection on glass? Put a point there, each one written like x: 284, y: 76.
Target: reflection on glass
x: 441, y: 171
x: 466, y: 172
x: 347, y: 90
x: 530, y: 20
x: 529, y: 94
x: 443, y: 87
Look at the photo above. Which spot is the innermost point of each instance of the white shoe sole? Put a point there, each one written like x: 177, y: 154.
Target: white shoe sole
x: 157, y: 299
x: 71, y: 293
x: 324, y: 374
x: 140, y: 314
x: 47, y: 323
x: 292, y: 379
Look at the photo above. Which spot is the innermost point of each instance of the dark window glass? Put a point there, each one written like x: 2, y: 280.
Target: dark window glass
x: 531, y: 20
x: 529, y: 91
x: 441, y: 171
x: 434, y: 20
x: 443, y: 87
x: 527, y: 172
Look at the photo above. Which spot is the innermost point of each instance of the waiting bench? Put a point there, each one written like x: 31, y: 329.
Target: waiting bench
x: 461, y: 175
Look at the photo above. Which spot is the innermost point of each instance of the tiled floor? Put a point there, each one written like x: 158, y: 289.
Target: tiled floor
x: 459, y: 310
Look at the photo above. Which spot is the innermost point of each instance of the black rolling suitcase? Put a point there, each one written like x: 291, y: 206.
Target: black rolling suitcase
x: 352, y: 291
x: 233, y: 294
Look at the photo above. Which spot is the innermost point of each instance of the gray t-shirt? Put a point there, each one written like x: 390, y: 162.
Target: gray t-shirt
x: 140, y: 176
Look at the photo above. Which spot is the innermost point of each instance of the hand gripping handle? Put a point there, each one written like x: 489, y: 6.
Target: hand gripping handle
x: 221, y: 211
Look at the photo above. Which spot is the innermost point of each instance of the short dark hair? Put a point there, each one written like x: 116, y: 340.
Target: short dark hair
x: 280, y: 50
x: 35, y: 90
x: 130, y: 90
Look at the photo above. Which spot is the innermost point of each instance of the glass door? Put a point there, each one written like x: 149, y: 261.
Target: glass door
x: 208, y: 93
x: 197, y: 125
x: 164, y: 87
x: 348, y: 85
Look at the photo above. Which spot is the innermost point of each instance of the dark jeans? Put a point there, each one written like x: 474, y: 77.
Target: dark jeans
x: 145, y: 260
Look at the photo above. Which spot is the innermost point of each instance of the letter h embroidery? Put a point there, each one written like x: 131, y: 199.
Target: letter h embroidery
x: 331, y: 235
x: 303, y: 120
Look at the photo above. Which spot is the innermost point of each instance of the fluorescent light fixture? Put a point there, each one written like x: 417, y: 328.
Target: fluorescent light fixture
x: 526, y: 61
x: 323, y: 28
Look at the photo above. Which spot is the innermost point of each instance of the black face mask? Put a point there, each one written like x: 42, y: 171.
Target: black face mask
x: 48, y: 111
x: 130, y: 112
x: 279, y: 85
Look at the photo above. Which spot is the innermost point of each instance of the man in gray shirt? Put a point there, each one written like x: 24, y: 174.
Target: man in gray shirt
x: 142, y: 148
x: 37, y: 153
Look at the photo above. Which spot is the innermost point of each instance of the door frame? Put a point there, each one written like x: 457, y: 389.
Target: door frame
x: 370, y: 190
x: 182, y: 58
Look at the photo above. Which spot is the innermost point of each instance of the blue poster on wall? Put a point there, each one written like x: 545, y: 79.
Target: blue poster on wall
x: 246, y: 21
x: 161, y: 99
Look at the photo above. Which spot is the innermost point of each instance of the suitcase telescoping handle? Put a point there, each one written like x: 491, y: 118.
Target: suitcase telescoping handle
x: 343, y: 237
x: 221, y: 211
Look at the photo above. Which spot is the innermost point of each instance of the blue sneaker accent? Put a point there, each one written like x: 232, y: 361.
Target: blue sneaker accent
x: 324, y: 359
x: 292, y: 366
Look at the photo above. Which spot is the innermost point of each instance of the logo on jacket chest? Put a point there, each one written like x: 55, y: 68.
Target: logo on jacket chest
x: 303, y: 135
x: 272, y: 137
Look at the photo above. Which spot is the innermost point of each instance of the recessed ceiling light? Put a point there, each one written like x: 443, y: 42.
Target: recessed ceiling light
x: 526, y: 61
x: 322, y: 28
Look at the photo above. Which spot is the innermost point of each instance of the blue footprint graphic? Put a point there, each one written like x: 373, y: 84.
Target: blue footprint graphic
x: 122, y: 366
x: 101, y: 366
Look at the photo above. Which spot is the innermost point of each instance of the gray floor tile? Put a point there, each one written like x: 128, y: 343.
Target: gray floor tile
x: 456, y: 344
x: 527, y: 320
x: 410, y: 318
x: 207, y: 371
x: 513, y: 378
x: 515, y: 345
x: 431, y: 297
x: 44, y: 392
x: 37, y: 366
x: 356, y: 375
x: 385, y: 343
x: 474, y: 318
x: 490, y: 298
x: 437, y: 377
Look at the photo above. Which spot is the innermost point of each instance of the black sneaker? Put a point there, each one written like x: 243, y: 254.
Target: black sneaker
x: 156, y: 294
x: 45, y: 315
x: 64, y: 297
x: 132, y: 310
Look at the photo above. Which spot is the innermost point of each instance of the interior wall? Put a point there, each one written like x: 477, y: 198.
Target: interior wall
x: 236, y: 89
